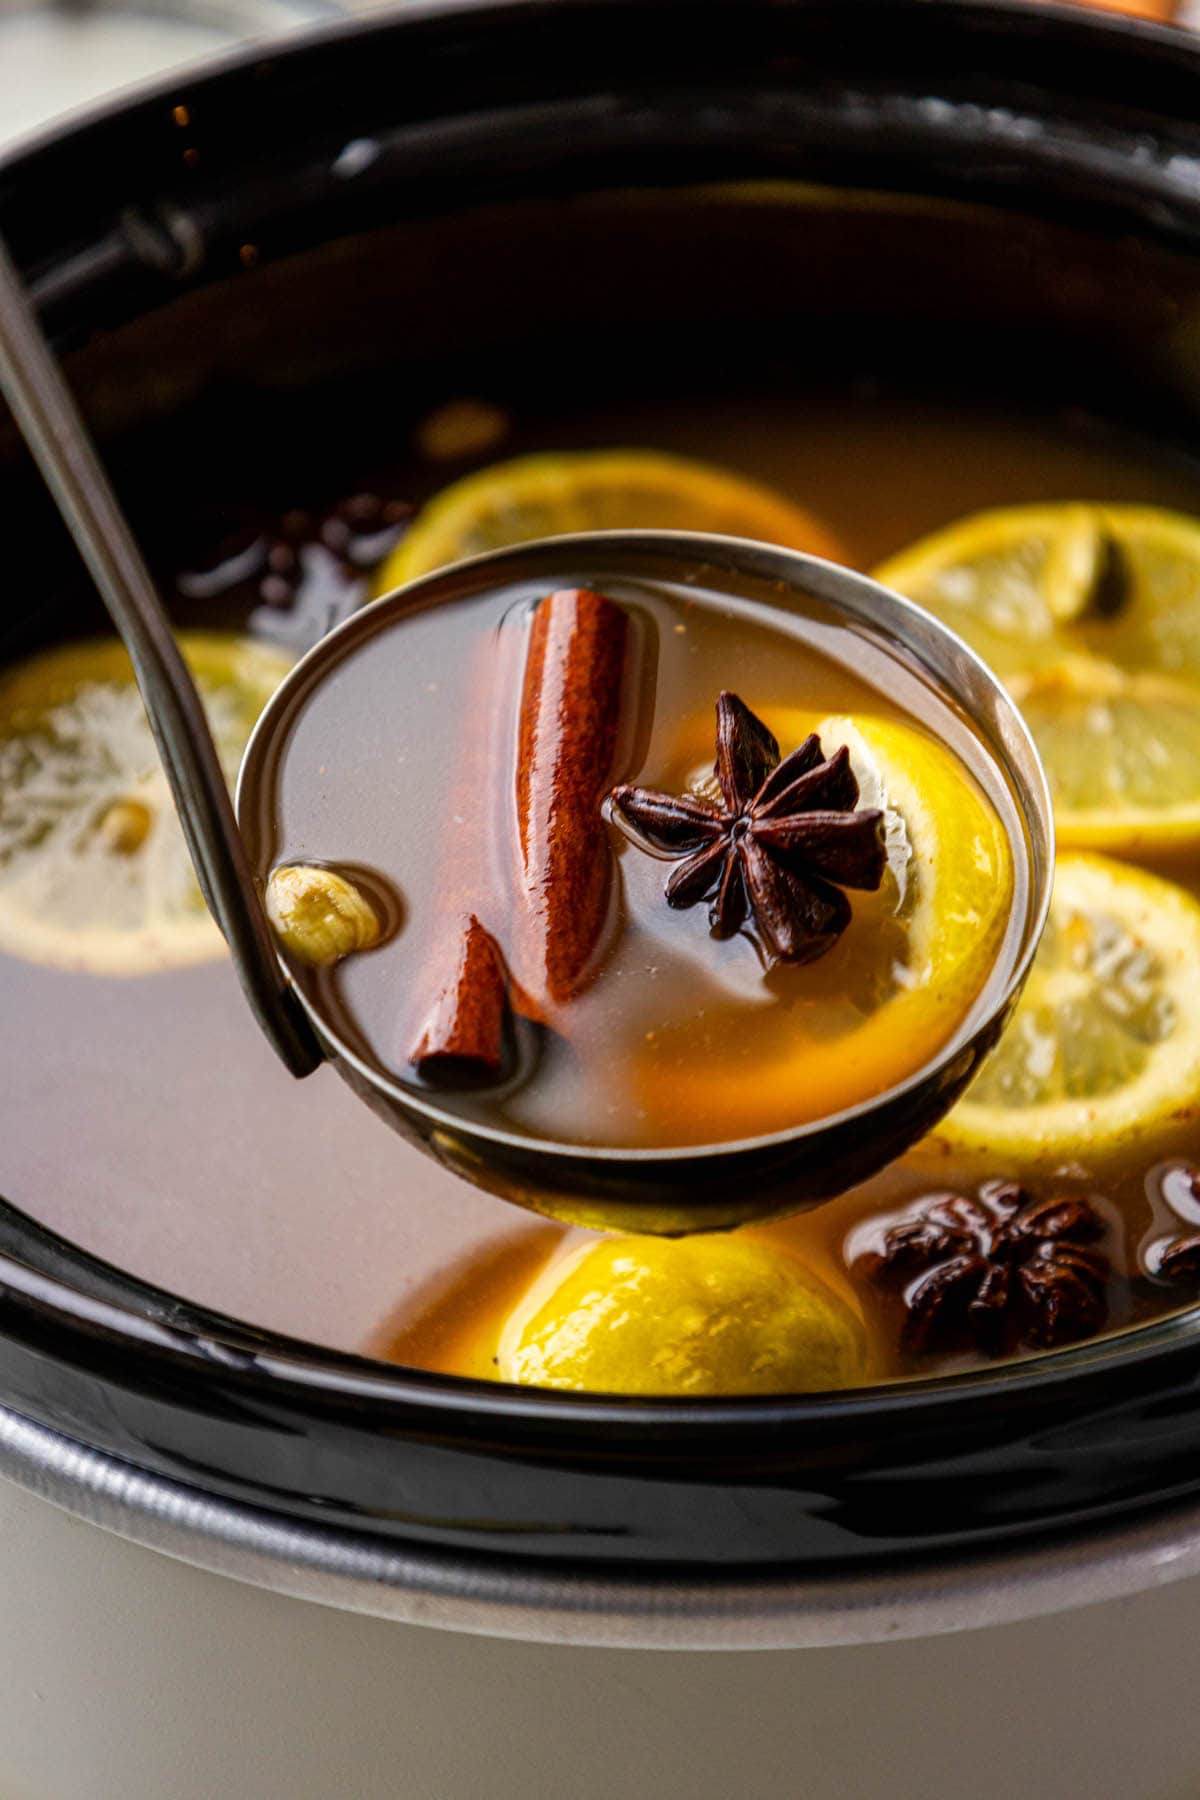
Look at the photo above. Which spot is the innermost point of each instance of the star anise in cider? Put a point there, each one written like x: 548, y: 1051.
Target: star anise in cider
x: 777, y: 853
x: 1174, y: 1257
x: 1001, y: 1269
x: 1180, y: 1260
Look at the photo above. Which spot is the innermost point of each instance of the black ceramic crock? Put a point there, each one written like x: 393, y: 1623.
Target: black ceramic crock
x: 980, y: 194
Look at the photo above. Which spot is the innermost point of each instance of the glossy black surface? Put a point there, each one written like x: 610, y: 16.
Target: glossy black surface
x: 1053, y: 116
x: 1069, y: 1440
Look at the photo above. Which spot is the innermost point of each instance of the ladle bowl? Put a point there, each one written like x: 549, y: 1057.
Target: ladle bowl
x: 710, y: 1186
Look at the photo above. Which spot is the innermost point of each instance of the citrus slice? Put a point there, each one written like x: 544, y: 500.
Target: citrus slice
x: 1027, y: 585
x: 1122, y: 753
x: 949, y: 855
x: 907, y: 971
x: 552, y: 494
x: 700, y: 1315
x: 94, y: 871
x: 1105, y: 1045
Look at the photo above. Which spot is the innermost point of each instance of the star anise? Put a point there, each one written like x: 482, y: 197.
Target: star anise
x: 1174, y: 1256
x: 1001, y: 1269
x: 779, y: 850
x: 1179, y: 1260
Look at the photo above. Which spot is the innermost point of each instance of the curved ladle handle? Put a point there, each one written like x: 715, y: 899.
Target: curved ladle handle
x: 58, y: 439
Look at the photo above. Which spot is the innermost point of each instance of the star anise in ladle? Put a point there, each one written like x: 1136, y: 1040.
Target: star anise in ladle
x: 1002, y: 1268
x: 776, y: 854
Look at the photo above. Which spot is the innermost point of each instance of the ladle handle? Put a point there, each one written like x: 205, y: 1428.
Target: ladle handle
x: 60, y: 443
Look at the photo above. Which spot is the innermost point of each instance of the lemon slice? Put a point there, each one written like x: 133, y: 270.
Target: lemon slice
x: 906, y: 972
x: 700, y: 1315
x: 950, y: 858
x: 552, y: 494
x: 1105, y: 1045
x: 1122, y: 753
x: 1027, y: 585
x: 94, y: 872
x: 950, y: 871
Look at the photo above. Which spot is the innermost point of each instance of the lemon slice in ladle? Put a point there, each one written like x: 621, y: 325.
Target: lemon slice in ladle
x: 902, y: 978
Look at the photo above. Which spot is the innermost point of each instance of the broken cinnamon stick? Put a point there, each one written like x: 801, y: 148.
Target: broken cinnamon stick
x: 462, y: 1033
x: 464, y: 1039
x: 566, y: 746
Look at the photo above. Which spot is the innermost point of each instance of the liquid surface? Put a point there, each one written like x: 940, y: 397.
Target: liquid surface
x: 650, y: 1030
x: 145, y: 1119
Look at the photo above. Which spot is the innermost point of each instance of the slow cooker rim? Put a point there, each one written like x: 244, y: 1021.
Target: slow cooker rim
x: 341, y: 1376
x: 382, y: 19
x: 460, y: 1590
x: 1061, y: 16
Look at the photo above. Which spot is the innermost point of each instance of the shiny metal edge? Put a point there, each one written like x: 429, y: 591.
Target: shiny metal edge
x: 511, y: 1599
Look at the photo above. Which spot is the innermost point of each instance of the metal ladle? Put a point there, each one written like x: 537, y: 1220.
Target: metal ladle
x: 660, y: 1190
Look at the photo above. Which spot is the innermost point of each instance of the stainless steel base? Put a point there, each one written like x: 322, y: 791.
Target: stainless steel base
x: 126, y: 1675
x: 511, y: 1599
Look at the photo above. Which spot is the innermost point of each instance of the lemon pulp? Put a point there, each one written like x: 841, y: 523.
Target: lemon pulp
x: 552, y: 494
x: 94, y: 871
x: 702, y: 1315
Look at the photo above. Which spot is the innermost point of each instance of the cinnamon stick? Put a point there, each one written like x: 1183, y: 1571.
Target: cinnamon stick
x: 464, y: 1038
x: 463, y: 1025
x: 566, y: 745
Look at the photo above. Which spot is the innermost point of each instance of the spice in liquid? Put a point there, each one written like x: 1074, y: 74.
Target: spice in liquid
x: 190, y: 1158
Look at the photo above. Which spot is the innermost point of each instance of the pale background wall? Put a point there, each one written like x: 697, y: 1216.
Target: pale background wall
x: 126, y: 1676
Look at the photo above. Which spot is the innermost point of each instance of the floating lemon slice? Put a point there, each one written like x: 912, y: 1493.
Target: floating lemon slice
x: 94, y: 872
x: 549, y: 495
x: 1092, y: 615
x: 1027, y: 585
x: 902, y: 978
x: 1105, y: 1044
x: 700, y: 1315
x: 1122, y: 753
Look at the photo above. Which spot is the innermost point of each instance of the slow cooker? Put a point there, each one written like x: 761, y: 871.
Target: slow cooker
x: 224, y: 1548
